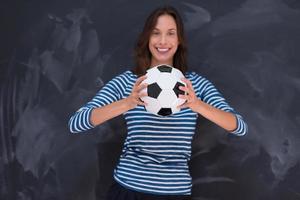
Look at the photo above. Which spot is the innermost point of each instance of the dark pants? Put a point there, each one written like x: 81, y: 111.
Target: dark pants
x: 118, y: 192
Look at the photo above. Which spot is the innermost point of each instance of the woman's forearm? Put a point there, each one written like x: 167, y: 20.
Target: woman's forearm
x: 102, y: 114
x: 222, y: 118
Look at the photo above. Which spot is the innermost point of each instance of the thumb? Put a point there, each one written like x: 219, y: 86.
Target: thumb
x: 182, y: 106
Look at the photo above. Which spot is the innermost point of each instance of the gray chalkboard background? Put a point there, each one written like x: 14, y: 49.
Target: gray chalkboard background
x: 55, y: 55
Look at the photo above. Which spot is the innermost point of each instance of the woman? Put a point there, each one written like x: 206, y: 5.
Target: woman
x: 153, y: 164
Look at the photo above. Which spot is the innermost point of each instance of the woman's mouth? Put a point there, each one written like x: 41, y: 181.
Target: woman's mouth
x: 162, y: 50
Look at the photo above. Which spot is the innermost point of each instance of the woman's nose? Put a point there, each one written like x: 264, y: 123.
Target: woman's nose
x: 163, y: 39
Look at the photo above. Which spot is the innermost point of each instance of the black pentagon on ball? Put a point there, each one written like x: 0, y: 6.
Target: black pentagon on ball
x: 165, y: 111
x: 164, y: 68
x: 153, y: 90
x: 177, y: 90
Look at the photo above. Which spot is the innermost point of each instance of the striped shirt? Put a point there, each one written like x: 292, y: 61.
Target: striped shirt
x: 156, y: 149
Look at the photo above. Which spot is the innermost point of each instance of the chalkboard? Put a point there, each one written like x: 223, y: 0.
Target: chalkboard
x: 56, y: 55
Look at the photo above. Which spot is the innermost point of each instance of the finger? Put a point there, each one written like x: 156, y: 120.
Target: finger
x: 186, y: 86
x: 140, y: 79
x: 188, y: 82
x: 138, y: 88
x: 138, y: 82
x: 184, y: 80
x: 144, y: 94
x: 141, y: 102
x: 190, y: 90
x: 141, y: 86
x: 185, y: 105
x: 185, y: 89
x: 186, y: 97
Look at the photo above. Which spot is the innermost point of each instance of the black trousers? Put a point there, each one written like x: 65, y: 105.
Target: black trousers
x: 118, y: 192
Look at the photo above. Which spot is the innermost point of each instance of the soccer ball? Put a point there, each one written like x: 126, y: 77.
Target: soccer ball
x: 163, y: 90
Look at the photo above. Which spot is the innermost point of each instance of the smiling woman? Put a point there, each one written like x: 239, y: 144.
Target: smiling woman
x: 163, y: 31
x: 154, y: 160
x: 163, y: 41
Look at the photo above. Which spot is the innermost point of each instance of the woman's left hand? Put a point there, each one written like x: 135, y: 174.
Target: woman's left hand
x: 192, y: 100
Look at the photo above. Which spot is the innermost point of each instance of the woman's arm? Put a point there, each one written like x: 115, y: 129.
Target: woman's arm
x: 102, y: 114
x: 213, y: 107
x: 223, y: 119
x: 107, y: 104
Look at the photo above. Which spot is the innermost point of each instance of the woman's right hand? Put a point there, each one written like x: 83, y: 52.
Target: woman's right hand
x: 134, y: 98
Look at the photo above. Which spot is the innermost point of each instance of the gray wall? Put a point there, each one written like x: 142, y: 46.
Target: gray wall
x: 56, y: 55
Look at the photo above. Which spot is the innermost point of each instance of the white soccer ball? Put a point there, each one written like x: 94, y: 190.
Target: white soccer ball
x: 163, y: 90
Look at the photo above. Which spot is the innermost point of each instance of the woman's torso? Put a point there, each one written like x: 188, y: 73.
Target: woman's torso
x: 156, y: 149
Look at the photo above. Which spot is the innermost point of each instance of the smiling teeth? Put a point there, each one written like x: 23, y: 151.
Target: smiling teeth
x: 163, y: 50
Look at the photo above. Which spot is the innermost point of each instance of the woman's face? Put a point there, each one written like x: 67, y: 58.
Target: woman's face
x: 163, y: 41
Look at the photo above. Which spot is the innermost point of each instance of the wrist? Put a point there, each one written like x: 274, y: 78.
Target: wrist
x: 198, y: 105
x: 126, y: 104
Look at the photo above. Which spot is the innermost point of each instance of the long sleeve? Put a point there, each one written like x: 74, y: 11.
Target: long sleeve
x: 112, y: 91
x: 208, y: 93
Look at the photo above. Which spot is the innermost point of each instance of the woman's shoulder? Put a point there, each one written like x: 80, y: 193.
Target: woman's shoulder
x: 192, y: 75
x: 125, y: 77
x: 130, y: 73
x: 127, y: 74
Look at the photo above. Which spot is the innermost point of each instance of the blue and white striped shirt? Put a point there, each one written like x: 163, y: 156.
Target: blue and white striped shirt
x: 156, y: 150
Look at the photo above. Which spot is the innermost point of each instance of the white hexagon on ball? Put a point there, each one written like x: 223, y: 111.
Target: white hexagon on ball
x: 153, y: 105
x: 165, y: 81
x: 167, y: 98
x: 152, y: 76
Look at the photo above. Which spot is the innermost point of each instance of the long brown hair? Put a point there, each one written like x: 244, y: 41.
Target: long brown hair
x: 142, y: 55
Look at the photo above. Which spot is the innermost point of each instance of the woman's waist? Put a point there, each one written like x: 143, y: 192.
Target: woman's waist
x: 161, y: 158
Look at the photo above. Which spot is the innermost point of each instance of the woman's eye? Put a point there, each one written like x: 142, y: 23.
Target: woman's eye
x: 171, y: 33
x: 155, y: 33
